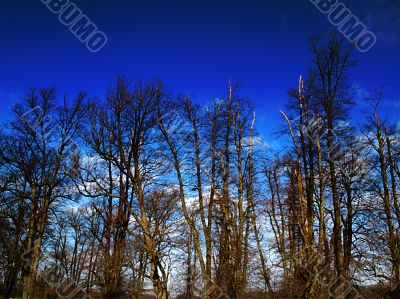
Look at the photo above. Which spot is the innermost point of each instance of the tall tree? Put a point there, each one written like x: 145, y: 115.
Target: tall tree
x: 332, y: 60
x: 40, y: 149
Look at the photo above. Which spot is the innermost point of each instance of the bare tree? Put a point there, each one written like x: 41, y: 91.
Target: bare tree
x: 39, y: 149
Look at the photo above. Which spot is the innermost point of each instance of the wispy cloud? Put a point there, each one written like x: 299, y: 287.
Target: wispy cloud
x: 381, y: 17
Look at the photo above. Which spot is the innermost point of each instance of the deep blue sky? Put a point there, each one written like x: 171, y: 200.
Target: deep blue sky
x: 194, y: 46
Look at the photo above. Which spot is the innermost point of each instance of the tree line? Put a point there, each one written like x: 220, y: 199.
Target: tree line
x: 147, y: 194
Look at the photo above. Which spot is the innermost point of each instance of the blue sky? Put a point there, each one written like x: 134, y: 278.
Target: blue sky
x: 194, y: 46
